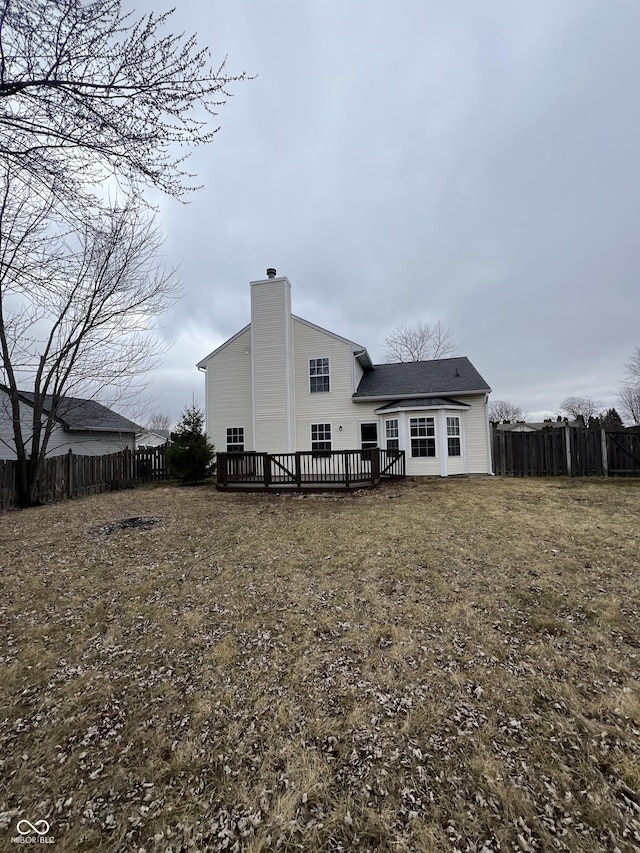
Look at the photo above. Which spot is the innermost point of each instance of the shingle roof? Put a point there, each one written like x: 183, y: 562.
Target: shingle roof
x: 422, y: 403
x: 82, y: 415
x: 441, y: 377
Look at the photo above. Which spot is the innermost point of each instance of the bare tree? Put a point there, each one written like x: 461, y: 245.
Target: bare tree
x: 87, y: 91
x: 419, y: 343
x: 629, y: 394
x: 580, y: 408
x: 629, y: 397
x: 159, y: 420
x: 76, y: 310
x: 502, y: 410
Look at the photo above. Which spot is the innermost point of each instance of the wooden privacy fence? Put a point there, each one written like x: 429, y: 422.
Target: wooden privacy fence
x: 566, y: 451
x: 72, y: 476
x: 151, y: 464
x: 337, y: 469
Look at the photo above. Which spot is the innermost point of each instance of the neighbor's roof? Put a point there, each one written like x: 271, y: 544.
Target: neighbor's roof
x: 535, y: 426
x: 441, y: 377
x: 82, y: 415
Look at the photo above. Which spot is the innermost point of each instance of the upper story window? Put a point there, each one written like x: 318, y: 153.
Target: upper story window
x: 423, y: 436
x: 235, y: 439
x: 318, y: 375
x: 453, y: 436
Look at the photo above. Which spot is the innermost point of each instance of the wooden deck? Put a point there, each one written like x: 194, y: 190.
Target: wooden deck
x: 308, y: 470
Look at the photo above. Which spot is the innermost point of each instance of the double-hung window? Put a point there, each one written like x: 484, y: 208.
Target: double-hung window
x: 423, y: 436
x: 318, y: 375
x: 235, y: 439
x: 391, y: 434
x: 453, y: 436
x: 321, y: 438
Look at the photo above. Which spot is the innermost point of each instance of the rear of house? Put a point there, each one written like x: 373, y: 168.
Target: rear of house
x: 283, y: 384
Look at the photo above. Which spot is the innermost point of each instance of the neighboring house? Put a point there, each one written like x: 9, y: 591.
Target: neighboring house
x: 153, y: 437
x: 535, y: 426
x: 84, y: 426
x: 283, y: 384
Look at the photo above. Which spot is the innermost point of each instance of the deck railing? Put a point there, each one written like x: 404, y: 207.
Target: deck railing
x: 346, y: 469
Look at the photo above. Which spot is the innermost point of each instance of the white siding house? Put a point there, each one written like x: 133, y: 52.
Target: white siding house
x: 283, y: 384
x: 82, y: 426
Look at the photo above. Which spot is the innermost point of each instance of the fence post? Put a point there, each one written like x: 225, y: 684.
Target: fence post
x: 346, y: 468
x: 605, y: 455
x: 567, y: 449
x: 298, y: 469
x: 70, y: 474
x: 266, y: 469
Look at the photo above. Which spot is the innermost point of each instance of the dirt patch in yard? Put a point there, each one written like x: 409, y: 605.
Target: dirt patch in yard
x: 431, y: 666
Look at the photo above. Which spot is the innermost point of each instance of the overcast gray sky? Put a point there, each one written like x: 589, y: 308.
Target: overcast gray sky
x: 476, y: 162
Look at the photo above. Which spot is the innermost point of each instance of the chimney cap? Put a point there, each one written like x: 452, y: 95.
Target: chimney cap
x: 271, y: 272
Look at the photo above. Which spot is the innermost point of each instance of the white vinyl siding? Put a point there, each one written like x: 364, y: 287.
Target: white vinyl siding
x: 476, y: 437
x: 336, y: 405
x: 271, y: 341
x: 229, y: 391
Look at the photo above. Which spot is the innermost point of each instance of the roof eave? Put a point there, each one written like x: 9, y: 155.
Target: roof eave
x: 202, y: 364
x: 453, y: 406
x: 417, y: 396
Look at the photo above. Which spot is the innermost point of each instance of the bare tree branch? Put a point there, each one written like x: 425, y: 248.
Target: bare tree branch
x: 629, y: 393
x: 419, y: 343
x: 580, y: 408
x: 502, y: 410
x: 87, y: 91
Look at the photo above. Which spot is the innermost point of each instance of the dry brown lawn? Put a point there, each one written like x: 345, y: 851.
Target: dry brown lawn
x: 435, y: 666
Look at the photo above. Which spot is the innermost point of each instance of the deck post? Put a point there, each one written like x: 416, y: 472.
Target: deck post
x: 221, y: 469
x: 266, y: 469
x: 345, y: 454
x: 375, y: 464
x: 298, y: 469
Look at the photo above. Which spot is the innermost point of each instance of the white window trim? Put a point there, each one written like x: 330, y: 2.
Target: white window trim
x: 317, y: 423
x: 435, y: 436
x: 317, y: 358
x: 457, y: 435
x: 243, y: 442
x: 397, y: 437
x: 372, y: 421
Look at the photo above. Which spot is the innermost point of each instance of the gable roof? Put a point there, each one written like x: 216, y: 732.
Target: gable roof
x: 359, y: 351
x: 441, y: 377
x: 203, y: 361
x: 78, y: 414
